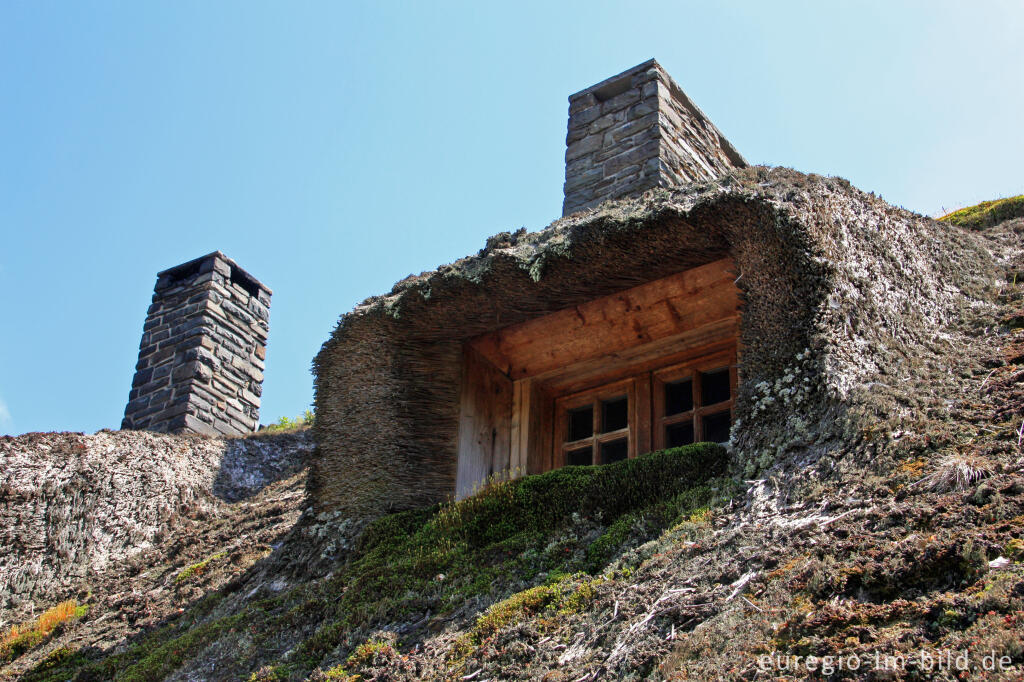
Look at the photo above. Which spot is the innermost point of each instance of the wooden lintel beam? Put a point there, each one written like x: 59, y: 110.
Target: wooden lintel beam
x: 651, y: 312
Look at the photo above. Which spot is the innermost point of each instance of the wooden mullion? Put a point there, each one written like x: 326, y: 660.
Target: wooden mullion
x: 677, y: 418
x: 733, y: 376
x: 657, y: 386
x: 715, y: 407
x: 698, y: 421
x: 561, y: 430
x: 576, y: 445
x: 612, y: 435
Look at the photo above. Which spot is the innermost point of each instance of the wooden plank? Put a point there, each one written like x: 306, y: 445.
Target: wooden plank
x: 520, y: 427
x: 517, y: 454
x: 718, y: 336
x: 485, y: 414
x: 540, y: 411
x: 635, y: 317
x: 642, y: 415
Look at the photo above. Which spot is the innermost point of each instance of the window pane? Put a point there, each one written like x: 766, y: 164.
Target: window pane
x: 714, y: 386
x: 678, y: 397
x: 678, y: 434
x: 716, y: 427
x: 581, y: 423
x: 614, y: 414
x: 579, y: 457
x: 614, y: 451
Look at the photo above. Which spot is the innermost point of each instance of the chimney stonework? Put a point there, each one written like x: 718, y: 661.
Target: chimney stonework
x: 201, y: 358
x: 637, y: 131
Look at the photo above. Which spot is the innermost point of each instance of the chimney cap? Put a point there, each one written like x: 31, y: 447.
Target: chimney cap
x: 196, y: 264
x: 615, y: 81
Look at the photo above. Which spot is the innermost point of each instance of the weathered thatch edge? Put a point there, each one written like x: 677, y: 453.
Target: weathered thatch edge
x: 844, y: 298
x: 74, y: 506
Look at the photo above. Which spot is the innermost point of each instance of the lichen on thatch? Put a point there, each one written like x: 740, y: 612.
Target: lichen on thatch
x: 846, y: 300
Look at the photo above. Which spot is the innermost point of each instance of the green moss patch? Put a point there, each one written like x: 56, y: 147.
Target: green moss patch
x: 189, y: 573
x: 163, y: 660
x: 987, y: 213
x: 569, y: 594
x: 521, y: 546
x: 513, y: 533
x: 59, y: 664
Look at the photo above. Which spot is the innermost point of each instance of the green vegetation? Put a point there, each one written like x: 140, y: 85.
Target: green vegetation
x: 163, y: 660
x: 20, y: 639
x: 570, y: 594
x: 511, y: 533
x: 57, y: 662
x: 197, y: 569
x: 338, y: 673
x: 651, y: 520
x: 152, y: 659
x: 987, y: 213
x: 523, y: 546
x: 290, y: 424
x: 366, y: 652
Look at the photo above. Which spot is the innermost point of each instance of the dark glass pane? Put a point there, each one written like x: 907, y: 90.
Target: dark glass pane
x: 678, y: 434
x: 580, y: 457
x: 614, y: 451
x: 714, y: 386
x: 581, y: 423
x: 614, y: 414
x: 678, y: 397
x: 716, y: 427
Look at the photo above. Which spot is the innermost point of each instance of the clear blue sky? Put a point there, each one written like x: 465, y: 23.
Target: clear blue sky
x: 333, y: 148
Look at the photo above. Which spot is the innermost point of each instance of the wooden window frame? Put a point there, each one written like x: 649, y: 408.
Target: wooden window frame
x: 593, y: 397
x: 697, y: 412
x: 647, y: 420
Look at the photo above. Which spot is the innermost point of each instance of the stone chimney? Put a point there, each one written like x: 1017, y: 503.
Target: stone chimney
x: 202, y: 354
x: 637, y: 131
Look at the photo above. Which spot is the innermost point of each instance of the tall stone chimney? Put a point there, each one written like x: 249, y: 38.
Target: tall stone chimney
x: 202, y: 353
x: 637, y: 131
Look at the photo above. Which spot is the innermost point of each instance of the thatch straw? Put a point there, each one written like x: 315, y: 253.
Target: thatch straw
x: 838, y: 289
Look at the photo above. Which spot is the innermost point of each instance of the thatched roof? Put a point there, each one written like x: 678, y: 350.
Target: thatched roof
x: 844, y: 298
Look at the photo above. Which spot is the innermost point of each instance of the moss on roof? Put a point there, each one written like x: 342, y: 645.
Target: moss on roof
x: 987, y: 213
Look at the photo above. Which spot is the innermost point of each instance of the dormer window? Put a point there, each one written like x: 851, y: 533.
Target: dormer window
x: 612, y: 378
